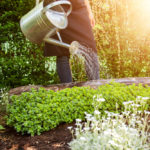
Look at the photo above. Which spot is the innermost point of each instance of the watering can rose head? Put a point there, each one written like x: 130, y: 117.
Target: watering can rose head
x: 74, y: 47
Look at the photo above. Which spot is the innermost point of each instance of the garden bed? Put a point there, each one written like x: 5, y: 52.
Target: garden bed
x: 55, y: 139
x: 59, y: 137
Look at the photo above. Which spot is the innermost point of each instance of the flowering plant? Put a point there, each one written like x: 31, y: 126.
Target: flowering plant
x: 125, y: 131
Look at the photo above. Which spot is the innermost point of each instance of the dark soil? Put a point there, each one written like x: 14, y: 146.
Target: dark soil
x: 55, y: 139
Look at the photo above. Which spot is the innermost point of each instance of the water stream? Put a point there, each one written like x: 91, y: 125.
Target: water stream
x: 90, y: 60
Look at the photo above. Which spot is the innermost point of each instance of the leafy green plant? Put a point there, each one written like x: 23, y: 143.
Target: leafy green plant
x: 1, y: 127
x: 21, y: 62
x: 37, y: 111
x: 42, y: 110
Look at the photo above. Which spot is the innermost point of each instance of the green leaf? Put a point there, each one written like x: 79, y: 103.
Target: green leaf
x: 1, y: 127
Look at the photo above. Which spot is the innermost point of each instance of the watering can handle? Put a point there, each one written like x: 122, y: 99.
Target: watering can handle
x: 62, y: 2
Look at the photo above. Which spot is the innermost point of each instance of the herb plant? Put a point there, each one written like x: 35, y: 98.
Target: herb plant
x: 37, y: 111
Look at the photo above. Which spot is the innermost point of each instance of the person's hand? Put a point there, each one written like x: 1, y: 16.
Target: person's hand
x: 91, y: 16
x: 92, y: 19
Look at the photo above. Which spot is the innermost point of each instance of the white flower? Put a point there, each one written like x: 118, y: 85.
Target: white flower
x: 133, y: 115
x: 78, y: 124
x: 82, y: 138
x: 107, y: 112
x: 135, y: 105
x: 96, y: 112
x: 70, y: 127
x: 113, y: 143
x: 100, y: 99
x: 108, y: 132
x: 88, y: 115
x: 94, y: 96
x: 78, y: 120
x: 98, y: 129
x: 86, y: 128
x: 138, y: 122
x: 89, y: 119
x: 127, y: 103
x: 92, y: 124
x: 147, y: 112
x: 76, y: 129
x: 145, y: 98
x: 139, y: 97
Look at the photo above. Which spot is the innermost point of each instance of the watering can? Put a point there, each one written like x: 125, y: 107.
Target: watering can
x: 41, y: 23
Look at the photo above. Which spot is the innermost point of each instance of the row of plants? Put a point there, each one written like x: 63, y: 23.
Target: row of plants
x: 37, y: 111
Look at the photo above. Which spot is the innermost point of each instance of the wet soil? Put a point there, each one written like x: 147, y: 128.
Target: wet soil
x: 55, y: 139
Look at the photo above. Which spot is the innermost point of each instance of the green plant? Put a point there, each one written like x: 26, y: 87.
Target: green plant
x: 37, y: 111
x: 1, y: 127
x: 21, y: 62
x: 42, y: 110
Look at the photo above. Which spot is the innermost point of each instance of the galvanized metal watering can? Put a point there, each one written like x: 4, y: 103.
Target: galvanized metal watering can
x: 41, y: 23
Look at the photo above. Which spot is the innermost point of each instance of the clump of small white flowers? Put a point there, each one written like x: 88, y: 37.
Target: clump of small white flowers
x: 78, y: 120
x: 128, y: 130
x: 70, y: 127
x: 128, y: 103
x: 99, y: 98
x: 82, y: 138
x: 96, y: 112
x: 98, y: 101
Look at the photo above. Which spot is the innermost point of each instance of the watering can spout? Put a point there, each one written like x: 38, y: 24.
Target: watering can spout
x: 56, y: 42
x: 73, y: 47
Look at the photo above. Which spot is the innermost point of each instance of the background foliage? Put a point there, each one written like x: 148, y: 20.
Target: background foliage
x: 21, y: 62
x: 122, y: 37
x: 122, y: 40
